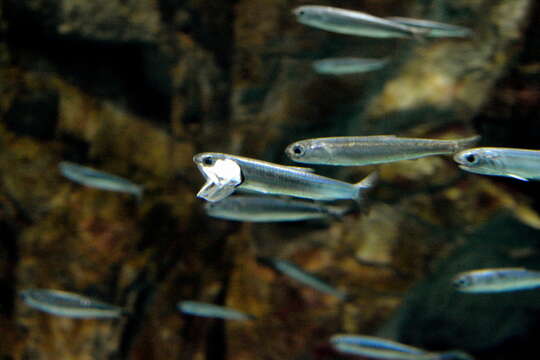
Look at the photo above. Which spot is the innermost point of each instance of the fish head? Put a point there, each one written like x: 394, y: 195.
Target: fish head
x: 483, y: 161
x: 309, y: 14
x: 462, y: 282
x: 222, y: 175
x: 309, y: 152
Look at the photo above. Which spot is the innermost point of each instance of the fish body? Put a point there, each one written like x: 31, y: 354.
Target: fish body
x: 520, y: 164
x: 198, y: 308
x: 435, y: 29
x: 293, y: 271
x: 377, y: 353
x: 269, y: 209
x: 353, y: 22
x: 268, y: 178
x: 375, y: 342
x: 367, y: 150
x: 68, y: 304
x: 98, y: 179
x: 347, y: 65
x: 496, y: 280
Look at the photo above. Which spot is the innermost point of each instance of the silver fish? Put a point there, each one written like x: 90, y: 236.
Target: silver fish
x: 519, y: 164
x: 496, y: 280
x: 353, y: 22
x: 264, y: 177
x: 99, y: 179
x: 367, y: 150
x: 293, y: 271
x: 269, y: 209
x: 198, y: 308
x: 374, y: 342
x: 68, y: 304
x: 347, y: 65
x: 435, y: 29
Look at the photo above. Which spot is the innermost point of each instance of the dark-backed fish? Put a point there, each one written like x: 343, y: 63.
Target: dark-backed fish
x: 268, y: 178
x: 353, y: 22
x: 434, y: 29
x: 68, y: 304
x: 99, y: 179
x: 367, y: 150
x: 519, y: 164
x: 497, y: 280
x: 347, y: 65
x: 203, y: 309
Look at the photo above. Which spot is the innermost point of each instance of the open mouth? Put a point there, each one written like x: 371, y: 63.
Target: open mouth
x: 222, y: 178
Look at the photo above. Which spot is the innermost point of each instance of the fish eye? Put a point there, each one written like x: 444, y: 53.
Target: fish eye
x: 298, y: 150
x: 470, y: 158
x: 208, y: 161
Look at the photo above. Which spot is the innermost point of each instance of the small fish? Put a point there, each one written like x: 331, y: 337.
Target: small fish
x: 269, y: 209
x: 197, y: 308
x: 367, y: 150
x: 496, y: 280
x: 267, y: 178
x: 435, y: 29
x: 347, y: 65
x: 519, y: 164
x: 68, y: 304
x: 353, y: 22
x: 374, y: 342
x: 98, y: 179
x: 293, y: 271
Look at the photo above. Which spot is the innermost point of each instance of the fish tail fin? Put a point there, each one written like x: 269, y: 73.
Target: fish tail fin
x: 365, y: 185
x: 467, y: 143
x: 420, y: 35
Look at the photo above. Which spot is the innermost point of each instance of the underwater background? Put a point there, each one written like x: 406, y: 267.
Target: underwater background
x: 136, y: 88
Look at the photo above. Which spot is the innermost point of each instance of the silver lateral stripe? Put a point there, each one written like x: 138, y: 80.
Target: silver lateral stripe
x: 521, y: 164
x: 496, y: 280
x: 98, y: 179
x: 68, y: 304
x: 347, y: 65
x: 368, y: 150
x: 198, y: 308
x: 436, y: 29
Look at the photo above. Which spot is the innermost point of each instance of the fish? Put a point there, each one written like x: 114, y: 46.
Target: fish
x: 435, y: 29
x: 293, y: 271
x: 222, y: 178
x: 354, y: 22
x: 496, y: 280
x: 270, y: 209
x: 67, y: 304
x: 203, y: 309
x: 268, y: 178
x: 374, y: 342
x: 347, y: 65
x: 98, y: 179
x: 521, y: 164
x: 368, y: 150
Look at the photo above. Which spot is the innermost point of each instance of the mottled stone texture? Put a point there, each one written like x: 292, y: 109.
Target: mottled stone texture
x: 137, y: 87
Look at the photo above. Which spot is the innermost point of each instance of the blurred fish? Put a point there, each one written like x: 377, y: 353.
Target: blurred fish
x: 264, y: 177
x: 68, y: 304
x: 197, y: 308
x: 434, y: 29
x: 98, y: 179
x: 293, y: 271
x: 222, y: 178
x: 269, y: 209
x: 353, y: 22
x: 519, y: 164
x: 496, y: 280
x: 347, y: 65
x: 374, y: 342
x: 367, y: 150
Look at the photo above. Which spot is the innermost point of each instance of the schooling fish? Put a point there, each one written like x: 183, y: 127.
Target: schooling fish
x: 98, y: 179
x: 353, y: 22
x: 68, y: 304
x: 496, y: 280
x: 269, y: 209
x: 264, y: 177
x: 519, y: 164
x: 434, y: 29
x: 374, y: 342
x: 197, y: 308
x: 367, y: 150
x: 347, y: 65
x: 293, y: 271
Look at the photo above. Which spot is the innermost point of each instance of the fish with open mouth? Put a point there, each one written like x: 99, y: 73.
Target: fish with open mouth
x: 222, y: 178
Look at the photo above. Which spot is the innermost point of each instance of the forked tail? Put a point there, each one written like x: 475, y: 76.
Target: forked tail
x: 366, y: 185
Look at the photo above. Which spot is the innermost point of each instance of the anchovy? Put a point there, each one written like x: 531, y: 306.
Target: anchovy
x: 347, y: 65
x: 519, y: 164
x: 496, y: 280
x: 68, y: 304
x: 269, y: 209
x: 296, y: 273
x: 374, y: 342
x: 435, y: 29
x: 197, y: 308
x: 353, y: 22
x: 98, y: 179
x: 264, y: 177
